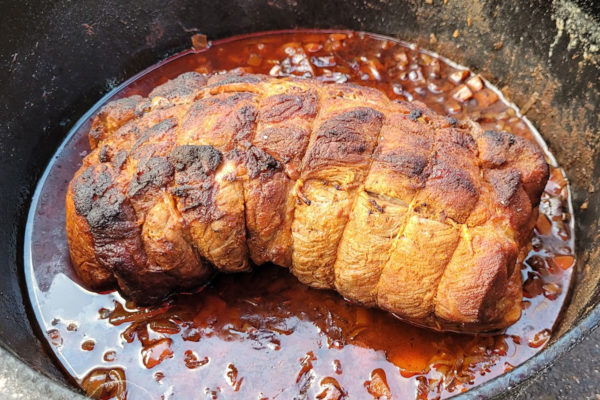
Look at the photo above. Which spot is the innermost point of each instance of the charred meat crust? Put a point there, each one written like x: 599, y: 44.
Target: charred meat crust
x: 202, y: 159
x: 412, y: 165
x: 209, y: 171
x: 112, y: 116
x: 194, y: 180
x: 282, y: 107
x: 155, y: 172
x: 505, y: 183
x: 499, y: 150
x: 181, y: 88
x: 344, y: 139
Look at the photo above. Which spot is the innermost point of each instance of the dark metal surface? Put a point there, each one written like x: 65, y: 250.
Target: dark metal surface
x: 575, y: 376
x: 58, y: 58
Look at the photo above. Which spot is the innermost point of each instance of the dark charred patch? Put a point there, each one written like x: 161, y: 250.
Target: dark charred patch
x: 282, y: 107
x: 105, y: 154
x: 258, y: 161
x: 162, y: 128
x: 529, y: 160
x: 451, y: 191
x: 286, y: 142
x: 505, y: 183
x: 237, y: 97
x: 415, y: 115
x: 500, y: 137
x: 96, y: 133
x: 348, y: 124
x: 117, y: 243
x: 194, y: 183
x: 452, y: 121
x: 155, y: 172
x: 119, y: 159
x: 234, y: 115
x: 416, y: 110
x: 347, y: 138
x: 202, y: 159
x: 459, y: 137
x: 220, y: 103
x: 129, y: 130
x: 245, y: 122
x: 195, y: 194
x: 112, y: 116
x: 456, y: 147
x: 495, y: 146
x: 181, y: 87
x: 451, y: 178
x: 121, y: 110
x: 194, y: 197
x: 88, y: 186
x: 364, y: 115
x: 96, y: 198
x: 198, y: 110
x: 413, y: 165
x: 106, y: 209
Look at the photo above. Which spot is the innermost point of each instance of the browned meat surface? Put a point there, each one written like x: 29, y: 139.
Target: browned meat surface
x: 386, y: 202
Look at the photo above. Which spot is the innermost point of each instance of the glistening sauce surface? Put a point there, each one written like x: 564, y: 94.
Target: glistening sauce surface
x: 264, y: 335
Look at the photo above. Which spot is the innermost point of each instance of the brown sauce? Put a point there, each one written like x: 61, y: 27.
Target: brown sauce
x: 264, y: 335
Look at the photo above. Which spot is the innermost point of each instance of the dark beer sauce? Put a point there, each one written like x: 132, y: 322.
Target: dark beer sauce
x: 263, y: 335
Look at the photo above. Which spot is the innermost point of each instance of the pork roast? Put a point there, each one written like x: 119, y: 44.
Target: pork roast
x: 384, y: 201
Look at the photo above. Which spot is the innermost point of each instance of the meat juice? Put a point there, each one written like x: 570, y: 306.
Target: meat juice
x: 264, y: 335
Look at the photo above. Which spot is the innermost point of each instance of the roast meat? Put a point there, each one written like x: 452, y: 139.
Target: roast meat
x: 384, y: 201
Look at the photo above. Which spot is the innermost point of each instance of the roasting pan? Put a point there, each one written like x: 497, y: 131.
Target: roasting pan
x: 59, y: 58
